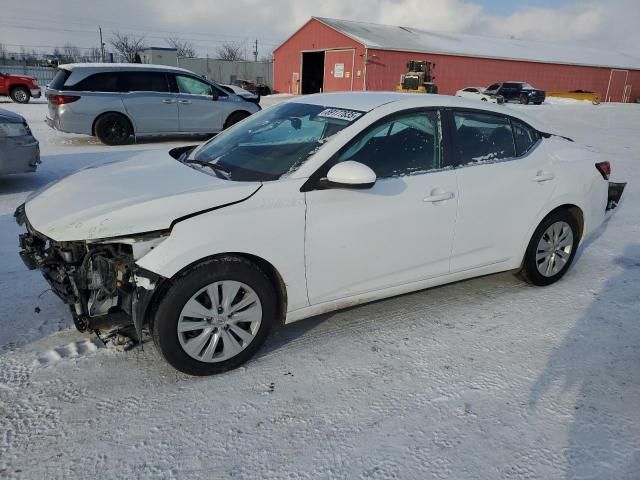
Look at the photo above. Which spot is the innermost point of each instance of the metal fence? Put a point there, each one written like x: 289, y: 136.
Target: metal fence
x: 43, y: 74
x: 219, y: 70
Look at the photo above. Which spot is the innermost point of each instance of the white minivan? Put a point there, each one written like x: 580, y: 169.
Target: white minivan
x: 116, y: 101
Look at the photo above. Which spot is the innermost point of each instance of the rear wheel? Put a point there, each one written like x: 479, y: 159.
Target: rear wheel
x: 215, y: 317
x: 113, y: 129
x: 234, y: 118
x: 20, y: 94
x: 551, y: 249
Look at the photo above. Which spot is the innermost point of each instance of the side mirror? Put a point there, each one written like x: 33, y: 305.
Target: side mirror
x: 214, y: 95
x: 178, y: 152
x: 349, y: 174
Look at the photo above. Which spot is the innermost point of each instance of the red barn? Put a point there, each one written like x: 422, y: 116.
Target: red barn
x: 332, y: 55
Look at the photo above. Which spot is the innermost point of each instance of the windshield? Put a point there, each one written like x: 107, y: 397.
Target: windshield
x: 273, y: 142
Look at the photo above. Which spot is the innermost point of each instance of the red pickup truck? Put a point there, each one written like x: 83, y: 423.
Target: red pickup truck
x: 20, y: 88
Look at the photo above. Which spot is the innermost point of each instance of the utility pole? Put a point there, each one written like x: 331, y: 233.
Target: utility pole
x: 101, y: 44
x: 255, y: 52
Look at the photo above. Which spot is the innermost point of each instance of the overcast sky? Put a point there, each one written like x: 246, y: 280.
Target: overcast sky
x: 613, y: 24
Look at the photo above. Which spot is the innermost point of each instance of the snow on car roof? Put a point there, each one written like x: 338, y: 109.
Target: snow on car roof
x: 410, y: 39
x: 367, y: 101
x: 121, y: 66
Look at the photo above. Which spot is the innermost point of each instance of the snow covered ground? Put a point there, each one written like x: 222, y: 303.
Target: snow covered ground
x: 484, y: 379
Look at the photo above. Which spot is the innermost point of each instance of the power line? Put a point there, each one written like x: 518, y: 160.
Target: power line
x: 135, y: 29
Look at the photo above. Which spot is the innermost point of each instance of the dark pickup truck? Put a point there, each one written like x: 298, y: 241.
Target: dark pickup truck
x: 516, y: 92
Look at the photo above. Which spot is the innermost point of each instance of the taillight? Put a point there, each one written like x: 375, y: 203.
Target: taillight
x: 62, y: 99
x: 605, y: 169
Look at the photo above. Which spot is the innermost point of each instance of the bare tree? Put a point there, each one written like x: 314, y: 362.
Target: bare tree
x: 129, y: 46
x: 184, y: 48
x: 70, y: 53
x: 266, y: 57
x: 94, y: 54
x: 229, y: 51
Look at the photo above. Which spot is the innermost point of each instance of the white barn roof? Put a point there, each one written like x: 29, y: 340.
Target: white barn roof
x: 410, y: 39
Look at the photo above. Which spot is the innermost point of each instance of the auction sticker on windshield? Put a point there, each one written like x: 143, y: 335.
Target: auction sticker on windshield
x: 339, y: 114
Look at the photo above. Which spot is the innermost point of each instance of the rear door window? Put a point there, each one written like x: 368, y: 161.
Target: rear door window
x: 483, y: 137
x: 144, y: 82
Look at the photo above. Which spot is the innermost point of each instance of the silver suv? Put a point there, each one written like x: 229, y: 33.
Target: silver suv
x: 116, y: 101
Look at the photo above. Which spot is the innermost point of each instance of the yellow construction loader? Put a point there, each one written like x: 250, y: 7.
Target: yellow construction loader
x: 419, y: 78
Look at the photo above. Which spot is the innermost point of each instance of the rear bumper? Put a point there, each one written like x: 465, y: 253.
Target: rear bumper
x: 615, y: 193
x: 69, y: 122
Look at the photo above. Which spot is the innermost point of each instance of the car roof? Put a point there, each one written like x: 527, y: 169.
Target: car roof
x: 122, y: 67
x: 10, y: 117
x: 367, y: 101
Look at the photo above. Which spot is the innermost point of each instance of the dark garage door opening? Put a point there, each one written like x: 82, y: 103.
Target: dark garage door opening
x: 312, y: 72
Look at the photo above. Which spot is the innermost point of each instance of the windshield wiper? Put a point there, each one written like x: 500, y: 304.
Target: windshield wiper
x: 217, y: 169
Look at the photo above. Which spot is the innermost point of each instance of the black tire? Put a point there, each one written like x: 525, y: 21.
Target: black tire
x: 183, y: 287
x: 113, y: 129
x: 484, y: 99
x: 20, y: 94
x: 524, y: 99
x: 537, y: 103
x: 530, y: 272
x: 235, y: 117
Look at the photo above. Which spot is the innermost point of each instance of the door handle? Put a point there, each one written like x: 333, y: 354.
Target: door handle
x: 168, y: 100
x: 438, y: 195
x: 543, y: 176
x: 184, y: 102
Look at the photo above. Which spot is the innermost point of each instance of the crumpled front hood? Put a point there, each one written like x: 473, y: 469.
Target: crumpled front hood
x: 145, y: 193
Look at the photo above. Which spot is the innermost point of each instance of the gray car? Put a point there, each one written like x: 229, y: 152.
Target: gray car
x: 19, y: 150
x: 116, y: 101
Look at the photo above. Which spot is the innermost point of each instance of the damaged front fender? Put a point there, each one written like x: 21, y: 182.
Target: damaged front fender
x: 100, y: 281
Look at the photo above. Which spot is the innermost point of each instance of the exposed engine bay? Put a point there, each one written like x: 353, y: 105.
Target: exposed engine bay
x: 106, y: 291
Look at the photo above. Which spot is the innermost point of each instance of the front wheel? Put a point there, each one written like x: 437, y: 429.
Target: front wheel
x: 551, y: 249
x: 524, y: 99
x: 215, y: 316
x: 20, y: 95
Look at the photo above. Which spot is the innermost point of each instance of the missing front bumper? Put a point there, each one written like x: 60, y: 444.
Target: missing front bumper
x: 615, y: 193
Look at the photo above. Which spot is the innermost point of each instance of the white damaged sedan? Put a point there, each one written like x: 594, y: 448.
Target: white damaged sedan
x: 313, y: 205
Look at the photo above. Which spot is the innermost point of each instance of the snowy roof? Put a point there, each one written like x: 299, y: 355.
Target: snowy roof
x: 121, y: 66
x: 367, y: 101
x: 410, y: 39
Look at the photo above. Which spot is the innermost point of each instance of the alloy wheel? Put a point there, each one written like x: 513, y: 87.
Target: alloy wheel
x: 219, y: 321
x: 20, y: 95
x: 554, y: 249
